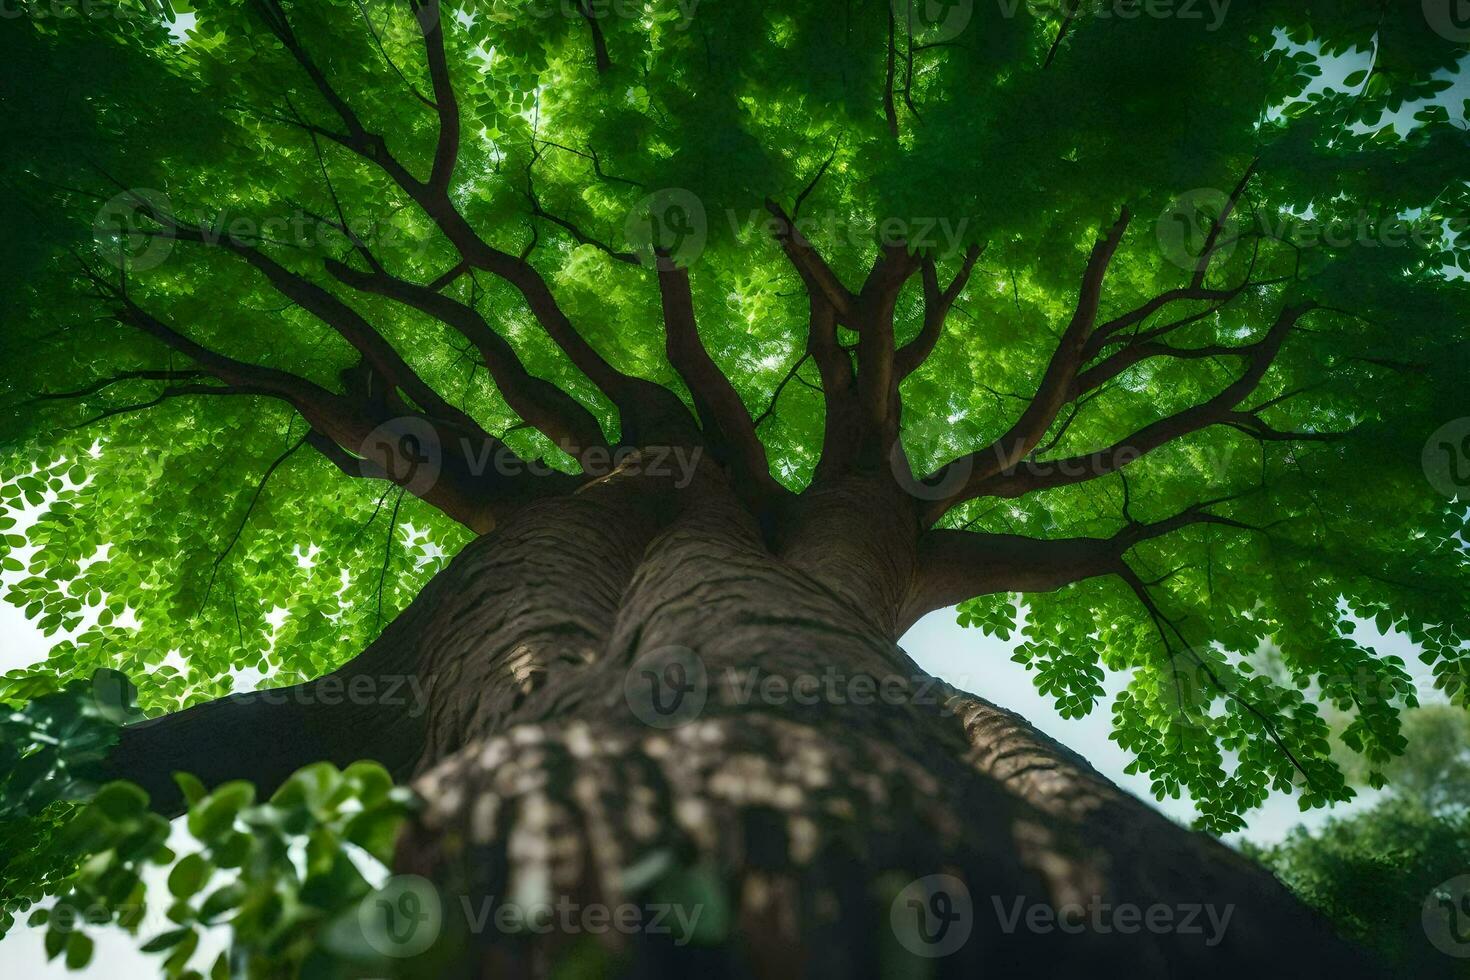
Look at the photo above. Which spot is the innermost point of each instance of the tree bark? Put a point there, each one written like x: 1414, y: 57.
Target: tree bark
x: 637, y: 697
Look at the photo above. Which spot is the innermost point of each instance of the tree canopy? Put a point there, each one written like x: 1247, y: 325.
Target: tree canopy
x: 1178, y: 318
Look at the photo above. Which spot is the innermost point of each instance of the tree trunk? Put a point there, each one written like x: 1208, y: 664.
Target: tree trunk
x: 642, y: 699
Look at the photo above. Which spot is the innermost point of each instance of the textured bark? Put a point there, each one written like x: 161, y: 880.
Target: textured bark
x: 813, y: 773
x: 545, y: 782
x: 1129, y: 852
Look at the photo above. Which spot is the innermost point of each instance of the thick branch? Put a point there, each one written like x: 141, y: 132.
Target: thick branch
x: 877, y: 382
x: 348, y: 324
x: 956, y: 565
x: 1029, y: 476
x: 721, y: 412
x: 264, y: 736
x: 812, y: 268
x: 599, y: 41
x: 841, y: 421
x: 1056, y: 388
x: 469, y: 488
x: 446, y: 104
x: 542, y: 404
x: 937, y: 304
x: 631, y: 395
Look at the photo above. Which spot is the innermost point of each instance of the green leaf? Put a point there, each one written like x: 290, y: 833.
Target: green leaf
x: 167, y: 940
x: 214, y: 815
x: 222, y: 900
x: 120, y: 801
x: 78, y: 950
x: 189, y: 875
x: 191, y: 787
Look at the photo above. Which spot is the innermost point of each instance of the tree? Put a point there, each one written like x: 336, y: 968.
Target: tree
x: 1373, y: 873
x: 717, y: 344
x: 1436, y: 768
x: 1377, y: 874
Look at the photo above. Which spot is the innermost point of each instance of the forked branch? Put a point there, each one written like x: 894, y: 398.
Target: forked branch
x: 725, y: 419
x: 1056, y: 387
